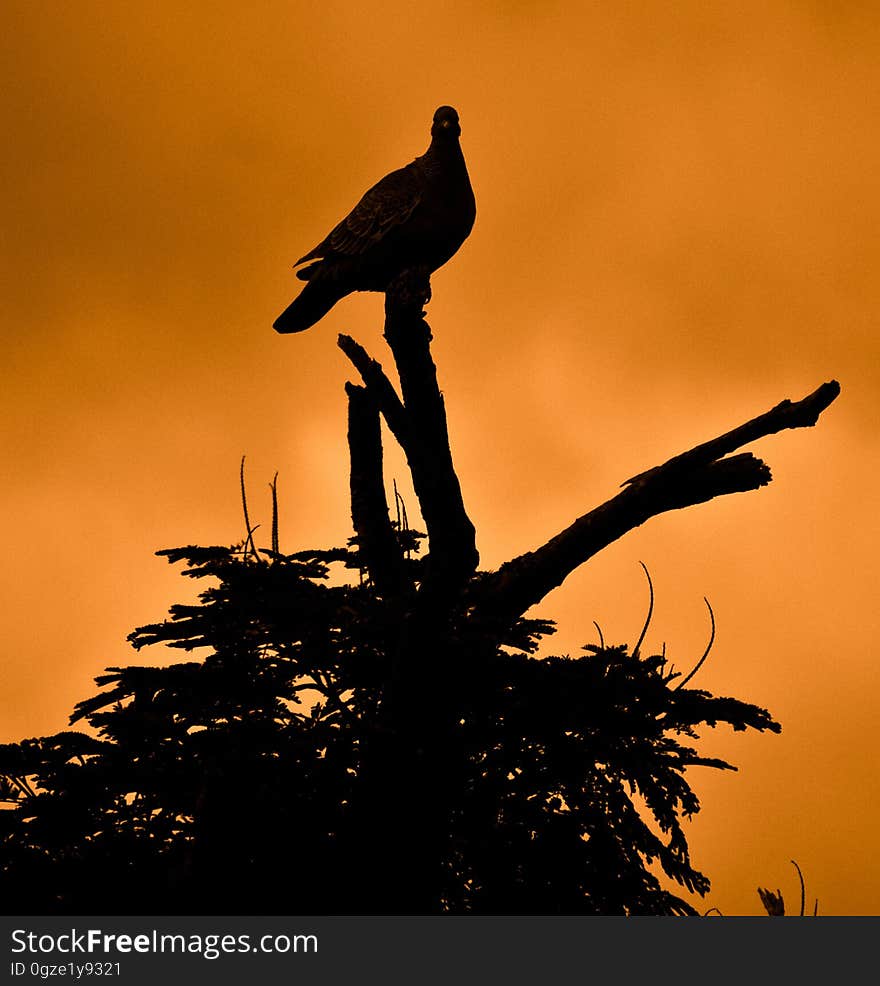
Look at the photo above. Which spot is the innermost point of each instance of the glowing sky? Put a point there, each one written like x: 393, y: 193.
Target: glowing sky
x: 677, y: 227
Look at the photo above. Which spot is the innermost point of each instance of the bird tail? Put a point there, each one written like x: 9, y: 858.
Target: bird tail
x: 312, y: 304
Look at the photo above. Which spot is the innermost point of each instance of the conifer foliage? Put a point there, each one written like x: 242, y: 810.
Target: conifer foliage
x: 386, y: 740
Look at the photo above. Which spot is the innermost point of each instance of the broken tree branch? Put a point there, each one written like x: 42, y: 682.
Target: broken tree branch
x: 786, y: 414
x: 453, y: 554
x: 695, y: 476
x: 381, y: 388
x: 418, y: 422
x: 379, y: 547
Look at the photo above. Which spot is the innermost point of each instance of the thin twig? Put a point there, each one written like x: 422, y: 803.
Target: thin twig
x: 274, y: 486
x: 650, y: 610
x: 699, y: 663
x: 249, y: 539
x: 803, y: 888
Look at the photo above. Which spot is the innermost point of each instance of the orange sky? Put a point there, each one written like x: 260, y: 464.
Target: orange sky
x: 677, y: 216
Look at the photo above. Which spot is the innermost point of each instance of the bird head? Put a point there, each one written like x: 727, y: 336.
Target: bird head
x: 445, y: 123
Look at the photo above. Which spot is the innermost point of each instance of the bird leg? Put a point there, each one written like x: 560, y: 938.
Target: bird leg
x: 408, y: 292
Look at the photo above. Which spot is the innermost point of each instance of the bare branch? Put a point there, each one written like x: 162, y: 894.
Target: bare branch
x: 380, y: 387
x: 693, y: 477
x: 419, y: 425
x: 453, y: 554
x: 787, y: 414
x: 379, y: 548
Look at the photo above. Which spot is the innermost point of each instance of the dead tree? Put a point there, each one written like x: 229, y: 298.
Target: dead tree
x: 387, y: 743
x: 410, y: 764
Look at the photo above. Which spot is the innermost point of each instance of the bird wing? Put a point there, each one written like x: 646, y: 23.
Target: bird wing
x: 388, y: 203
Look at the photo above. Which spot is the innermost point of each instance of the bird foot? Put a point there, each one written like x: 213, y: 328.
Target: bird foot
x: 409, y: 291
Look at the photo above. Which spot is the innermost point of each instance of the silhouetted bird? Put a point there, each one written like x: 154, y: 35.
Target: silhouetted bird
x: 414, y: 218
